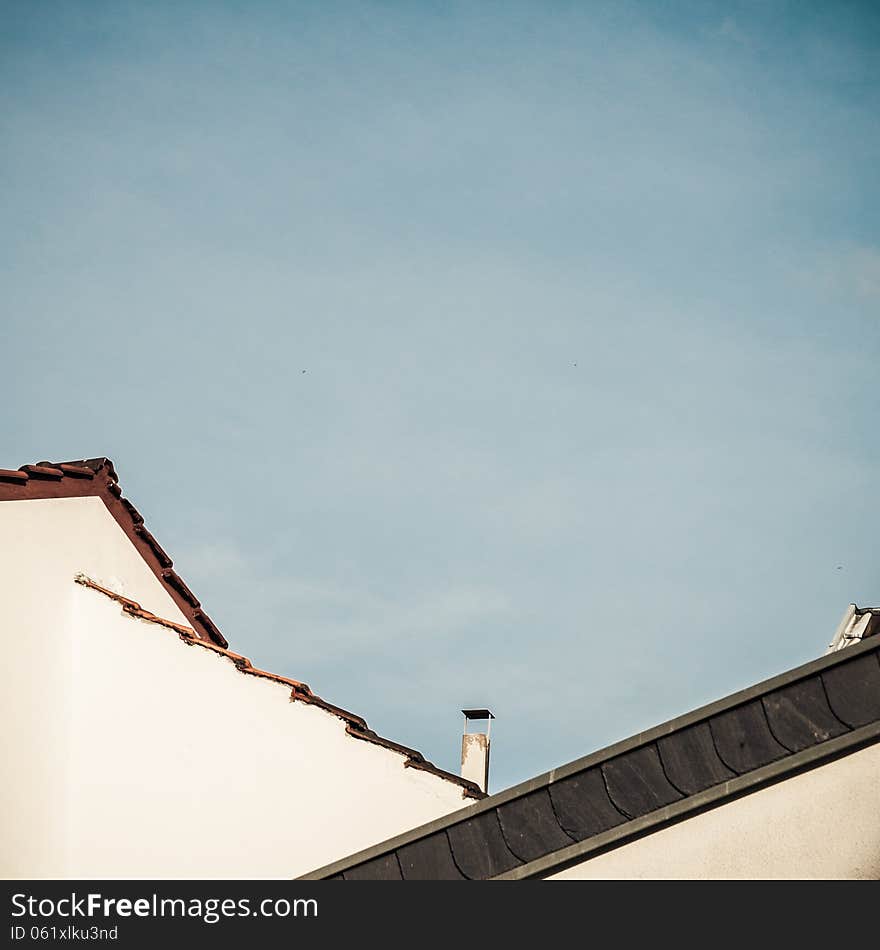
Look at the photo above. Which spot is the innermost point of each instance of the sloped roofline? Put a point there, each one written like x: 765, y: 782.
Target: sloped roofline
x: 792, y: 722
x: 97, y: 478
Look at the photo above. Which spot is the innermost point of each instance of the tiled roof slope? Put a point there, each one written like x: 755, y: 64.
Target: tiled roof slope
x: 793, y: 722
x: 97, y: 477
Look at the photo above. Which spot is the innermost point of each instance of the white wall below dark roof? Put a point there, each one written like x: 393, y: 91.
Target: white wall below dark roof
x: 821, y: 824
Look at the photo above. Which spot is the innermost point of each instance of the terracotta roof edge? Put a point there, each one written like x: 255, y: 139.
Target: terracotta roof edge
x: 97, y: 477
x: 356, y: 727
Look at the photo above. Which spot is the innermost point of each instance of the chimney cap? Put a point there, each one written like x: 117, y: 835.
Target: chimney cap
x: 477, y: 714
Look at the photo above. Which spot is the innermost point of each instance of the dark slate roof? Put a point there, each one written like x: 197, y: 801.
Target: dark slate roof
x: 798, y: 720
x: 97, y: 478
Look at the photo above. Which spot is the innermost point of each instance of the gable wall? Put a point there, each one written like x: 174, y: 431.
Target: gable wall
x: 133, y: 754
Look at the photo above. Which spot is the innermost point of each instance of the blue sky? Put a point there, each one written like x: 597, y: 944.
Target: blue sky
x: 521, y: 355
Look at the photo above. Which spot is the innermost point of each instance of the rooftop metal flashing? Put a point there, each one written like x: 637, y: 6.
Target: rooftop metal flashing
x: 857, y: 624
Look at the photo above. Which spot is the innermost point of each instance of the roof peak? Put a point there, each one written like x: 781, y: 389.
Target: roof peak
x: 96, y: 477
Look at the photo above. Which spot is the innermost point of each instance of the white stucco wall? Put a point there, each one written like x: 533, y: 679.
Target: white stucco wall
x: 130, y: 754
x: 821, y: 824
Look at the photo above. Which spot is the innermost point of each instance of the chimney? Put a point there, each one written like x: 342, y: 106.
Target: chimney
x: 475, y: 748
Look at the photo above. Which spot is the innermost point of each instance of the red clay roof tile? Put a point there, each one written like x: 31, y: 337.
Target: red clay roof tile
x: 8, y: 475
x: 141, y: 531
x: 176, y: 581
x: 77, y: 471
x: 134, y: 514
x: 42, y: 471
